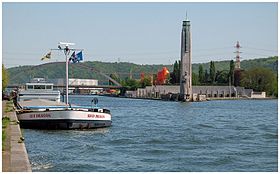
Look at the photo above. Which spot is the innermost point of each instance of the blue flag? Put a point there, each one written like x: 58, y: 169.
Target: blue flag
x: 76, y: 57
x: 73, y: 58
x: 79, y: 56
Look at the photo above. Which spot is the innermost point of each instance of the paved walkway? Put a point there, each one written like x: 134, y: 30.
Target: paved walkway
x: 17, y: 157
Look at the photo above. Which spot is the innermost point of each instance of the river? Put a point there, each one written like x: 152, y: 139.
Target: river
x: 151, y: 135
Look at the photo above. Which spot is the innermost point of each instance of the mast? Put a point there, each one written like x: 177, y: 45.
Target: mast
x: 65, y: 47
x: 66, y: 52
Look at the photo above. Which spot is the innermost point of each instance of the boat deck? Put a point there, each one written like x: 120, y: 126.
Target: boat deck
x: 40, y: 103
x: 36, y: 104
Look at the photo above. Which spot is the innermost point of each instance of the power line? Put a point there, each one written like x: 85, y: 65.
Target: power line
x: 261, y: 49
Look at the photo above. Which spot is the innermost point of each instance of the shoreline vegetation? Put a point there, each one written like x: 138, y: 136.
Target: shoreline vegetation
x: 258, y: 74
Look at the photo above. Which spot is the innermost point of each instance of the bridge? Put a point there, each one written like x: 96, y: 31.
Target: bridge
x: 89, y: 86
x: 116, y: 85
x: 73, y: 86
x: 79, y: 89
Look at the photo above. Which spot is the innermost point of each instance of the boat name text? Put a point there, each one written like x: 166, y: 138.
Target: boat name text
x: 95, y: 116
x: 40, y: 115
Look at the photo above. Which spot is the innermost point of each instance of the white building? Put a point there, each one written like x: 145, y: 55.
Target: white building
x: 83, y: 82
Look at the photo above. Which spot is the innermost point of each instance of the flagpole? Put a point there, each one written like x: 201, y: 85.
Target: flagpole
x: 66, y: 78
x: 66, y: 52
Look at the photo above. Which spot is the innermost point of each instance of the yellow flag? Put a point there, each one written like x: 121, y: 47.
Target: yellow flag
x: 47, y: 56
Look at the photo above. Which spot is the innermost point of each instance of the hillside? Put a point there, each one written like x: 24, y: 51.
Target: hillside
x: 270, y: 63
x: 22, y: 74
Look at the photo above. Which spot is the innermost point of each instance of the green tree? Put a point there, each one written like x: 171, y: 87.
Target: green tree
x: 231, y: 72
x: 115, y: 77
x: 172, y: 78
x: 201, y: 75
x: 195, y: 80
x: 175, y: 75
x: 5, y: 78
x: 176, y: 71
x: 260, y: 79
x: 131, y: 84
x: 146, y: 82
x: 212, y: 72
x: 206, y: 77
x: 178, y: 77
x: 222, y: 77
x: 274, y: 92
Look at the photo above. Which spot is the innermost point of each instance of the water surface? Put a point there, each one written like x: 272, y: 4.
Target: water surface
x: 148, y: 135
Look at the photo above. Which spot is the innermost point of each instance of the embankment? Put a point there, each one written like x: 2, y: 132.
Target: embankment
x: 14, y: 154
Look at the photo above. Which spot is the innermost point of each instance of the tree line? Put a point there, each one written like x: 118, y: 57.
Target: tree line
x: 5, y: 78
x: 257, y: 78
x: 258, y: 74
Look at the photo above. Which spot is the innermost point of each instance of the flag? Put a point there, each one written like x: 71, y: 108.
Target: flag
x: 47, y: 56
x: 73, y: 58
x: 76, y: 57
x: 79, y: 56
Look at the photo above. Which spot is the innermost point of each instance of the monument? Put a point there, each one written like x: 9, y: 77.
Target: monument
x: 186, y: 63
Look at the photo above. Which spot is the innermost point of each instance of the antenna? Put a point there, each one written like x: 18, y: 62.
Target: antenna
x: 186, y: 15
x: 66, y: 44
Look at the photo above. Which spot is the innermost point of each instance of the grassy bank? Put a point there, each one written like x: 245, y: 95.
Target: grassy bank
x: 5, y: 122
x: 9, y: 107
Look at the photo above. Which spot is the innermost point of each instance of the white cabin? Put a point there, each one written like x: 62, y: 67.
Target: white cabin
x: 38, y: 88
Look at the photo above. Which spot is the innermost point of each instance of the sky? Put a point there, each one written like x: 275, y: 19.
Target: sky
x: 141, y: 33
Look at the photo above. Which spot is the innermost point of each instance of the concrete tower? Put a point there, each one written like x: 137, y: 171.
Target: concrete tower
x: 186, y: 63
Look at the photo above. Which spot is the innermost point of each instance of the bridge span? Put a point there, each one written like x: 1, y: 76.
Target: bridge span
x: 89, y: 86
x: 74, y: 86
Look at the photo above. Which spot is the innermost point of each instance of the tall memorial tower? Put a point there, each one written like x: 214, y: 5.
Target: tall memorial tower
x: 186, y: 63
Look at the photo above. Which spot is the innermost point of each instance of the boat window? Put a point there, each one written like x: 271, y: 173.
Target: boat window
x: 29, y: 86
x: 48, y: 87
x: 39, y: 86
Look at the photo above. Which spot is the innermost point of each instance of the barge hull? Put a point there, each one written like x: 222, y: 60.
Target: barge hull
x: 64, y: 124
x: 64, y: 119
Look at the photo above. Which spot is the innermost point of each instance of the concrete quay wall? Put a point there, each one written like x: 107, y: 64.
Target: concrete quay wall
x: 18, y: 157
